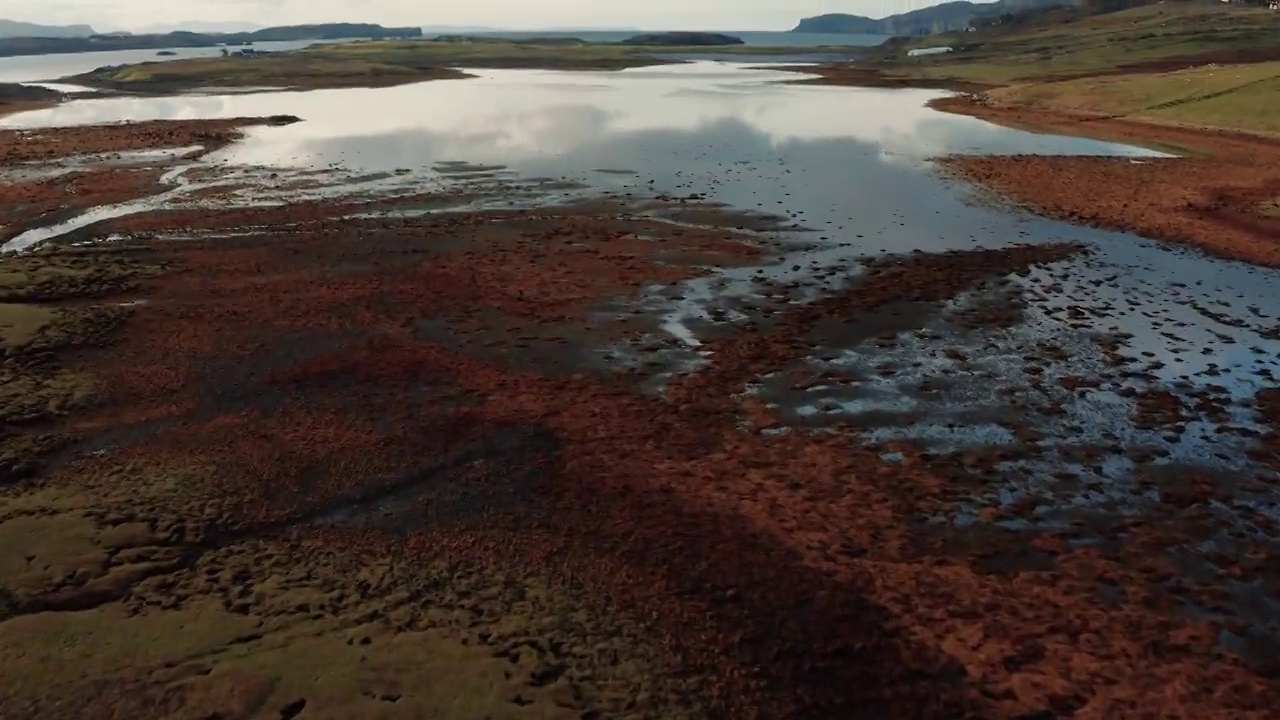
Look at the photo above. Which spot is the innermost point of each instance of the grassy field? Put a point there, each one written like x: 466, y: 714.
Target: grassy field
x: 1245, y: 97
x: 1147, y: 36
x: 394, y: 62
x: 1195, y: 64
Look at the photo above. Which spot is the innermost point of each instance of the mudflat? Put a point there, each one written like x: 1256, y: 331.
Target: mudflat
x: 289, y: 446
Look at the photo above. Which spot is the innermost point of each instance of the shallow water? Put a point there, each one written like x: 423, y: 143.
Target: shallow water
x: 734, y: 135
x: 848, y: 168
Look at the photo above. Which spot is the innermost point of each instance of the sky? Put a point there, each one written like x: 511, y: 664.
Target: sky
x: 514, y: 14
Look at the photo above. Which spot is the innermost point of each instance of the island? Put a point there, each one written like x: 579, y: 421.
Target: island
x: 11, y: 46
x: 398, y: 62
x: 684, y: 39
x: 14, y: 28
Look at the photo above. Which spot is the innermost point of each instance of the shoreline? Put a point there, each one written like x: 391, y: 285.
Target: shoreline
x: 1208, y: 199
x: 21, y: 106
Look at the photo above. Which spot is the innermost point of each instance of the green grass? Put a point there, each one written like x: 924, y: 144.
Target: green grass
x: 1089, y: 46
x: 1234, y: 96
x: 285, y: 70
x: 1247, y: 107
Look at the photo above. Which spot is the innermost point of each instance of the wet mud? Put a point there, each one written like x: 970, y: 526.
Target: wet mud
x: 396, y: 454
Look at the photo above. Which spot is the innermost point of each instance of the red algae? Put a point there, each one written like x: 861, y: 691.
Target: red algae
x: 1211, y: 200
x: 790, y: 571
x: 293, y: 447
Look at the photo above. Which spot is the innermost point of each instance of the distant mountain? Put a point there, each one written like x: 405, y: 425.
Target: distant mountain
x: 457, y: 29
x: 332, y: 31
x: 13, y: 28
x: 947, y: 17
x: 196, y: 26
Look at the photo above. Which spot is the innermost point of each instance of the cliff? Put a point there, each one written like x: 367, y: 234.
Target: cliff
x: 180, y: 39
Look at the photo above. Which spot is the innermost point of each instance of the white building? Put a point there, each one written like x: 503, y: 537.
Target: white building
x: 929, y: 51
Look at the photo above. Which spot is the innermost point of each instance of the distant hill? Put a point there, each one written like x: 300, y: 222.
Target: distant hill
x: 327, y: 31
x: 947, y: 17
x: 13, y: 28
x: 487, y: 30
x: 684, y: 39
x: 197, y: 26
x: 332, y: 31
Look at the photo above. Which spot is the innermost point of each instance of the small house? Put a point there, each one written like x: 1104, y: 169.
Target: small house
x: 920, y: 52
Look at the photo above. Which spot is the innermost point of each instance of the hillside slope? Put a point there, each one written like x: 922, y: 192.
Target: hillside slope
x: 950, y: 16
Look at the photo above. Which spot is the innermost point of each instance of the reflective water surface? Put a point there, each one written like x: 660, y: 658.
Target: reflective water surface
x: 849, y: 170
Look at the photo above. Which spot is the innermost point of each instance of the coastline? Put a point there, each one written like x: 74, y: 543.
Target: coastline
x: 13, y: 107
x: 1208, y: 198
x: 17, y: 97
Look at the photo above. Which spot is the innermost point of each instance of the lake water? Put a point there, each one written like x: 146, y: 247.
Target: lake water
x: 851, y: 170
